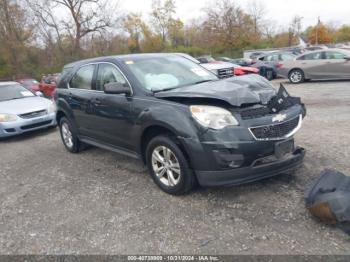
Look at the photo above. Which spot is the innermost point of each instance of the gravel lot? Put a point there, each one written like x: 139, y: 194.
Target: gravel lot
x: 98, y: 202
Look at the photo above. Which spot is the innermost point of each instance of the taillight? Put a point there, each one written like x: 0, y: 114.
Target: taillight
x: 279, y: 65
x: 238, y: 71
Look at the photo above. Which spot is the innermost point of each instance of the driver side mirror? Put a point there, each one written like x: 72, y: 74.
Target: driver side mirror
x: 117, y: 88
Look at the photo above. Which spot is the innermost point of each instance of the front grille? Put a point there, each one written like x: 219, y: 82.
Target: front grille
x: 275, y: 131
x: 33, y: 114
x: 225, y: 72
x: 36, y: 125
x: 254, y: 112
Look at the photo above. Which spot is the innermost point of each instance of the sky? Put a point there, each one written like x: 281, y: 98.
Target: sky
x: 279, y: 11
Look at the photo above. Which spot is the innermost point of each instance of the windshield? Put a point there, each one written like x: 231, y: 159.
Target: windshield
x: 13, y: 91
x: 168, y: 72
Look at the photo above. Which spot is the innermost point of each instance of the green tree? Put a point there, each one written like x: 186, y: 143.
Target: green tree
x: 343, y: 34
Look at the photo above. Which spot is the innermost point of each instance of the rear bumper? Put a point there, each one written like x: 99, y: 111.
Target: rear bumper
x: 252, y: 173
x: 25, y: 125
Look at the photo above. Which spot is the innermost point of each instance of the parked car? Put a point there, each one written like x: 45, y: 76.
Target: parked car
x: 22, y: 111
x: 244, y: 70
x: 317, y: 65
x: 30, y: 84
x: 48, y: 85
x: 256, y: 55
x: 220, y: 69
x: 206, y: 59
x: 273, y: 60
x: 239, y: 61
x: 182, y: 121
x: 247, y: 66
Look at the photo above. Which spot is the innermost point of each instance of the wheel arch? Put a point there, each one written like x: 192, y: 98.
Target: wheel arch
x: 297, y: 68
x: 154, y: 130
x: 59, y: 116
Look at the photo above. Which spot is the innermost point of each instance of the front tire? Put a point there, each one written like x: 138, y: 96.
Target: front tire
x: 296, y: 76
x: 69, y: 136
x: 168, y: 166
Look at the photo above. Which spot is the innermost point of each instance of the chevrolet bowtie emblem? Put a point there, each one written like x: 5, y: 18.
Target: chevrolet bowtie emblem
x: 279, y: 118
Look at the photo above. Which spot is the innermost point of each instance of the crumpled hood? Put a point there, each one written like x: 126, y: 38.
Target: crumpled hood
x: 246, y: 89
x: 24, y: 105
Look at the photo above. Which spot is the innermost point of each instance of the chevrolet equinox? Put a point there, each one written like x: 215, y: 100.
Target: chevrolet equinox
x: 187, y: 125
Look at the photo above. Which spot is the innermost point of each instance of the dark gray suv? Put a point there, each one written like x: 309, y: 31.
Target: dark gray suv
x: 183, y: 122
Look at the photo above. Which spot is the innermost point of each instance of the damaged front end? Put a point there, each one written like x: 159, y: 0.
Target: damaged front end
x: 260, y: 146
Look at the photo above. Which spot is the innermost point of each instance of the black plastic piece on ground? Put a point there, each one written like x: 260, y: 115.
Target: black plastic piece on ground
x: 329, y: 196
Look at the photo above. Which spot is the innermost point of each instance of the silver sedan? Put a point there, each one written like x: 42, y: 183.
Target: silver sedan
x: 317, y: 65
x: 22, y: 111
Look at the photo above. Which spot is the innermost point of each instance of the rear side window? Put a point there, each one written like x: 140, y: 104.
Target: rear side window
x: 312, y: 56
x: 83, y: 78
x: 108, y: 74
x: 333, y: 55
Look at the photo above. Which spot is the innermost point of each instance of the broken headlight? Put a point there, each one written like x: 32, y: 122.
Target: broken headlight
x: 213, y: 117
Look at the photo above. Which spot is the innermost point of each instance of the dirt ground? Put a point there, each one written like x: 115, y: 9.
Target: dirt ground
x: 98, y: 202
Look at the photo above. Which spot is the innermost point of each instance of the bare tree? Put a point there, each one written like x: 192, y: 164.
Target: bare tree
x: 257, y: 11
x: 83, y: 17
x: 294, y: 29
x: 162, y: 15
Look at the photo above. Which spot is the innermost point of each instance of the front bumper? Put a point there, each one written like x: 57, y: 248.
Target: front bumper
x: 25, y: 125
x: 234, y: 155
x: 251, y: 173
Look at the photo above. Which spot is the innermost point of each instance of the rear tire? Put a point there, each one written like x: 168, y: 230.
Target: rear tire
x: 168, y: 166
x: 69, y: 136
x: 296, y: 76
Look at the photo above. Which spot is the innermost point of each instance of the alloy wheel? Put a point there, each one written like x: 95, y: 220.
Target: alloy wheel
x: 166, y: 166
x: 296, y: 76
x: 67, y: 135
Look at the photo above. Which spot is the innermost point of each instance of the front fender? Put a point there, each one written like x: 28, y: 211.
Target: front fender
x: 63, y: 106
x: 175, y: 118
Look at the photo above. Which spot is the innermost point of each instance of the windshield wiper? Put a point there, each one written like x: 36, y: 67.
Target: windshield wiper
x: 204, y: 81
x: 11, y: 99
x: 161, y: 90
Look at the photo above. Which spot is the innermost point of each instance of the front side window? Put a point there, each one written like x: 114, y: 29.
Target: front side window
x: 13, y: 91
x: 271, y: 58
x: 108, y: 74
x: 286, y: 57
x: 168, y: 72
x: 83, y: 78
x: 334, y: 55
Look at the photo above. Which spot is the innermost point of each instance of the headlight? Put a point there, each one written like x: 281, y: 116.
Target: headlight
x: 213, y: 117
x: 7, y: 118
x: 51, y: 108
